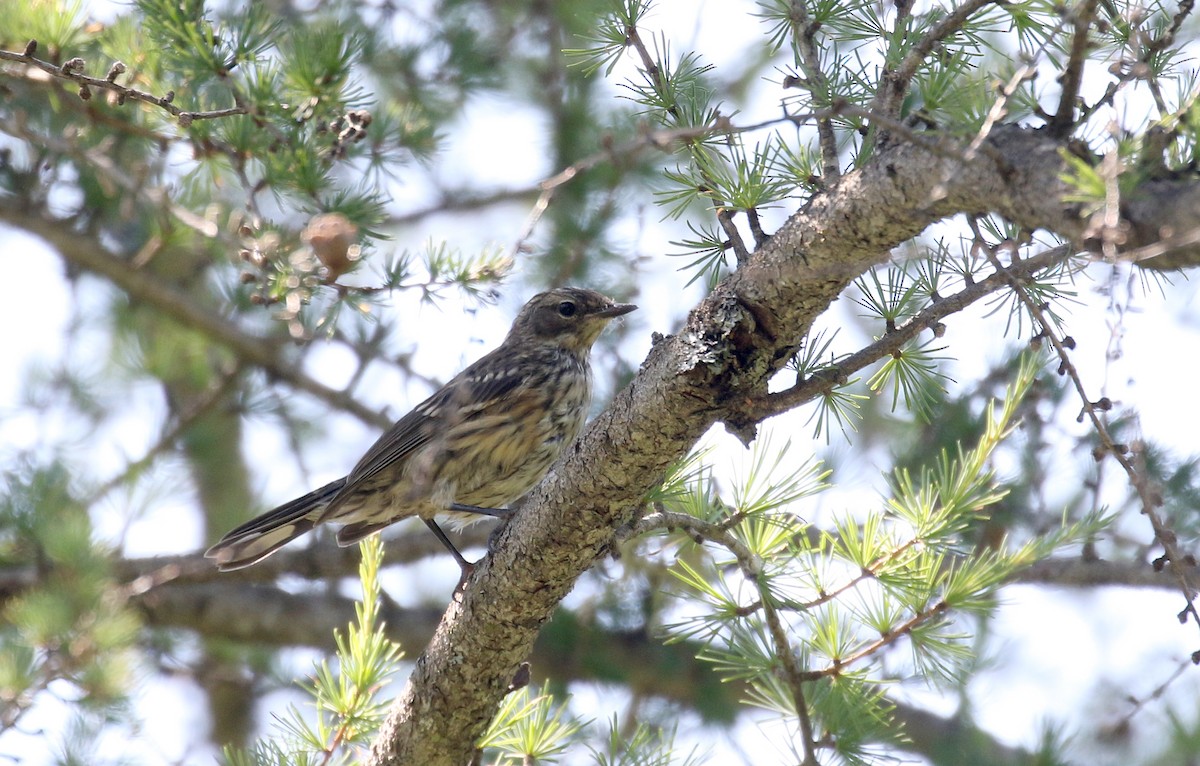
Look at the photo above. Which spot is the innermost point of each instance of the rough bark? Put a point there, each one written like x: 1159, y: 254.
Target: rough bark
x: 732, y: 343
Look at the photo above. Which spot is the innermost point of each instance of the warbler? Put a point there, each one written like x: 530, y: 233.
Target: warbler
x: 480, y: 442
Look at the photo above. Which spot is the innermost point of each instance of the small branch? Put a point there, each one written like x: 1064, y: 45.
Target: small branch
x: 105, y: 167
x: 1072, y: 572
x: 751, y: 565
x: 795, y: 676
x: 804, y: 34
x: 1151, y: 497
x: 999, y: 109
x: 208, y: 401
x: 1136, y: 704
x: 934, y: 144
x: 729, y: 226
x: 1167, y: 38
x: 463, y: 200
x: 1184, y: 244
x: 85, y: 253
x: 894, y: 84
x: 1078, y: 572
x: 72, y: 71
x: 717, y: 533
x: 720, y: 127
x: 1072, y: 77
x: 836, y: 374
x: 321, y: 561
x: 663, y: 140
x: 840, y: 664
x: 756, y: 229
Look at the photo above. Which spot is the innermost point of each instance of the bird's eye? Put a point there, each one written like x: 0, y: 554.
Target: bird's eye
x: 566, y: 309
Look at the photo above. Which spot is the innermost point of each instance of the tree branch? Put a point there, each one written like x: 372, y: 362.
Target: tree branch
x: 894, y: 83
x: 1084, y: 14
x: 268, y: 616
x: 72, y: 71
x: 321, y: 561
x: 83, y: 251
x: 732, y: 344
x: 829, y: 378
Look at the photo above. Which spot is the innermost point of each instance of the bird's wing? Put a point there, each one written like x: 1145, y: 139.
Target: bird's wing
x: 465, y: 395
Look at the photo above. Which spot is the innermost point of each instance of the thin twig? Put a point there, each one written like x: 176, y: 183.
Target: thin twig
x: 756, y: 229
x: 999, y: 109
x: 751, y: 565
x: 919, y: 618
x: 72, y: 71
x: 1137, y: 703
x: 836, y: 374
x: 794, y: 675
x: 734, y: 237
x: 261, y: 352
x: 1150, y: 497
x: 1071, y: 78
x: 1167, y: 38
x: 894, y: 83
x: 664, y: 140
x: 936, y: 145
x: 804, y: 35
x: 106, y: 167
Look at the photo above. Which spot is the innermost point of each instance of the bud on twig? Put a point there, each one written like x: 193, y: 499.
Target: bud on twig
x: 334, y: 240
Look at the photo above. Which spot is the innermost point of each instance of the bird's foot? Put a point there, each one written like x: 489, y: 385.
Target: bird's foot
x: 496, y: 513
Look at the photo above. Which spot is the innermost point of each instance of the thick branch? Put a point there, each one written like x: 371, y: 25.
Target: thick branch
x: 732, y: 344
x: 571, y: 649
x: 568, y: 649
x: 1083, y: 573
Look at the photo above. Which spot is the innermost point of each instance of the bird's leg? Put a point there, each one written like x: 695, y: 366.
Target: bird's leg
x: 466, y: 566
x: 496, y: 513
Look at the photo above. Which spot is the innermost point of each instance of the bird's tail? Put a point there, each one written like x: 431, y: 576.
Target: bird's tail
x: 263, y: 535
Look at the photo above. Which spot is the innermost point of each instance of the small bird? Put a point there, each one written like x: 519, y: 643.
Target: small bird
x: 479, y: 443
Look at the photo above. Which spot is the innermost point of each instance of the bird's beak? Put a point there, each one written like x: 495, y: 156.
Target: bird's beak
x: 616, y: 310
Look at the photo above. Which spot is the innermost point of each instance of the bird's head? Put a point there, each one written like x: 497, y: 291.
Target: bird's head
x: 569, y: 317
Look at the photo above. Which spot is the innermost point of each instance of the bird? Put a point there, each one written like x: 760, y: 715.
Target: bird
x: 480, y: 442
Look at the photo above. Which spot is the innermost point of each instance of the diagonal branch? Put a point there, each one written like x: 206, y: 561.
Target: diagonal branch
x: 732, y: 344
x: 895, y: 82
x: 265, y: 353
x: 829, y: 378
